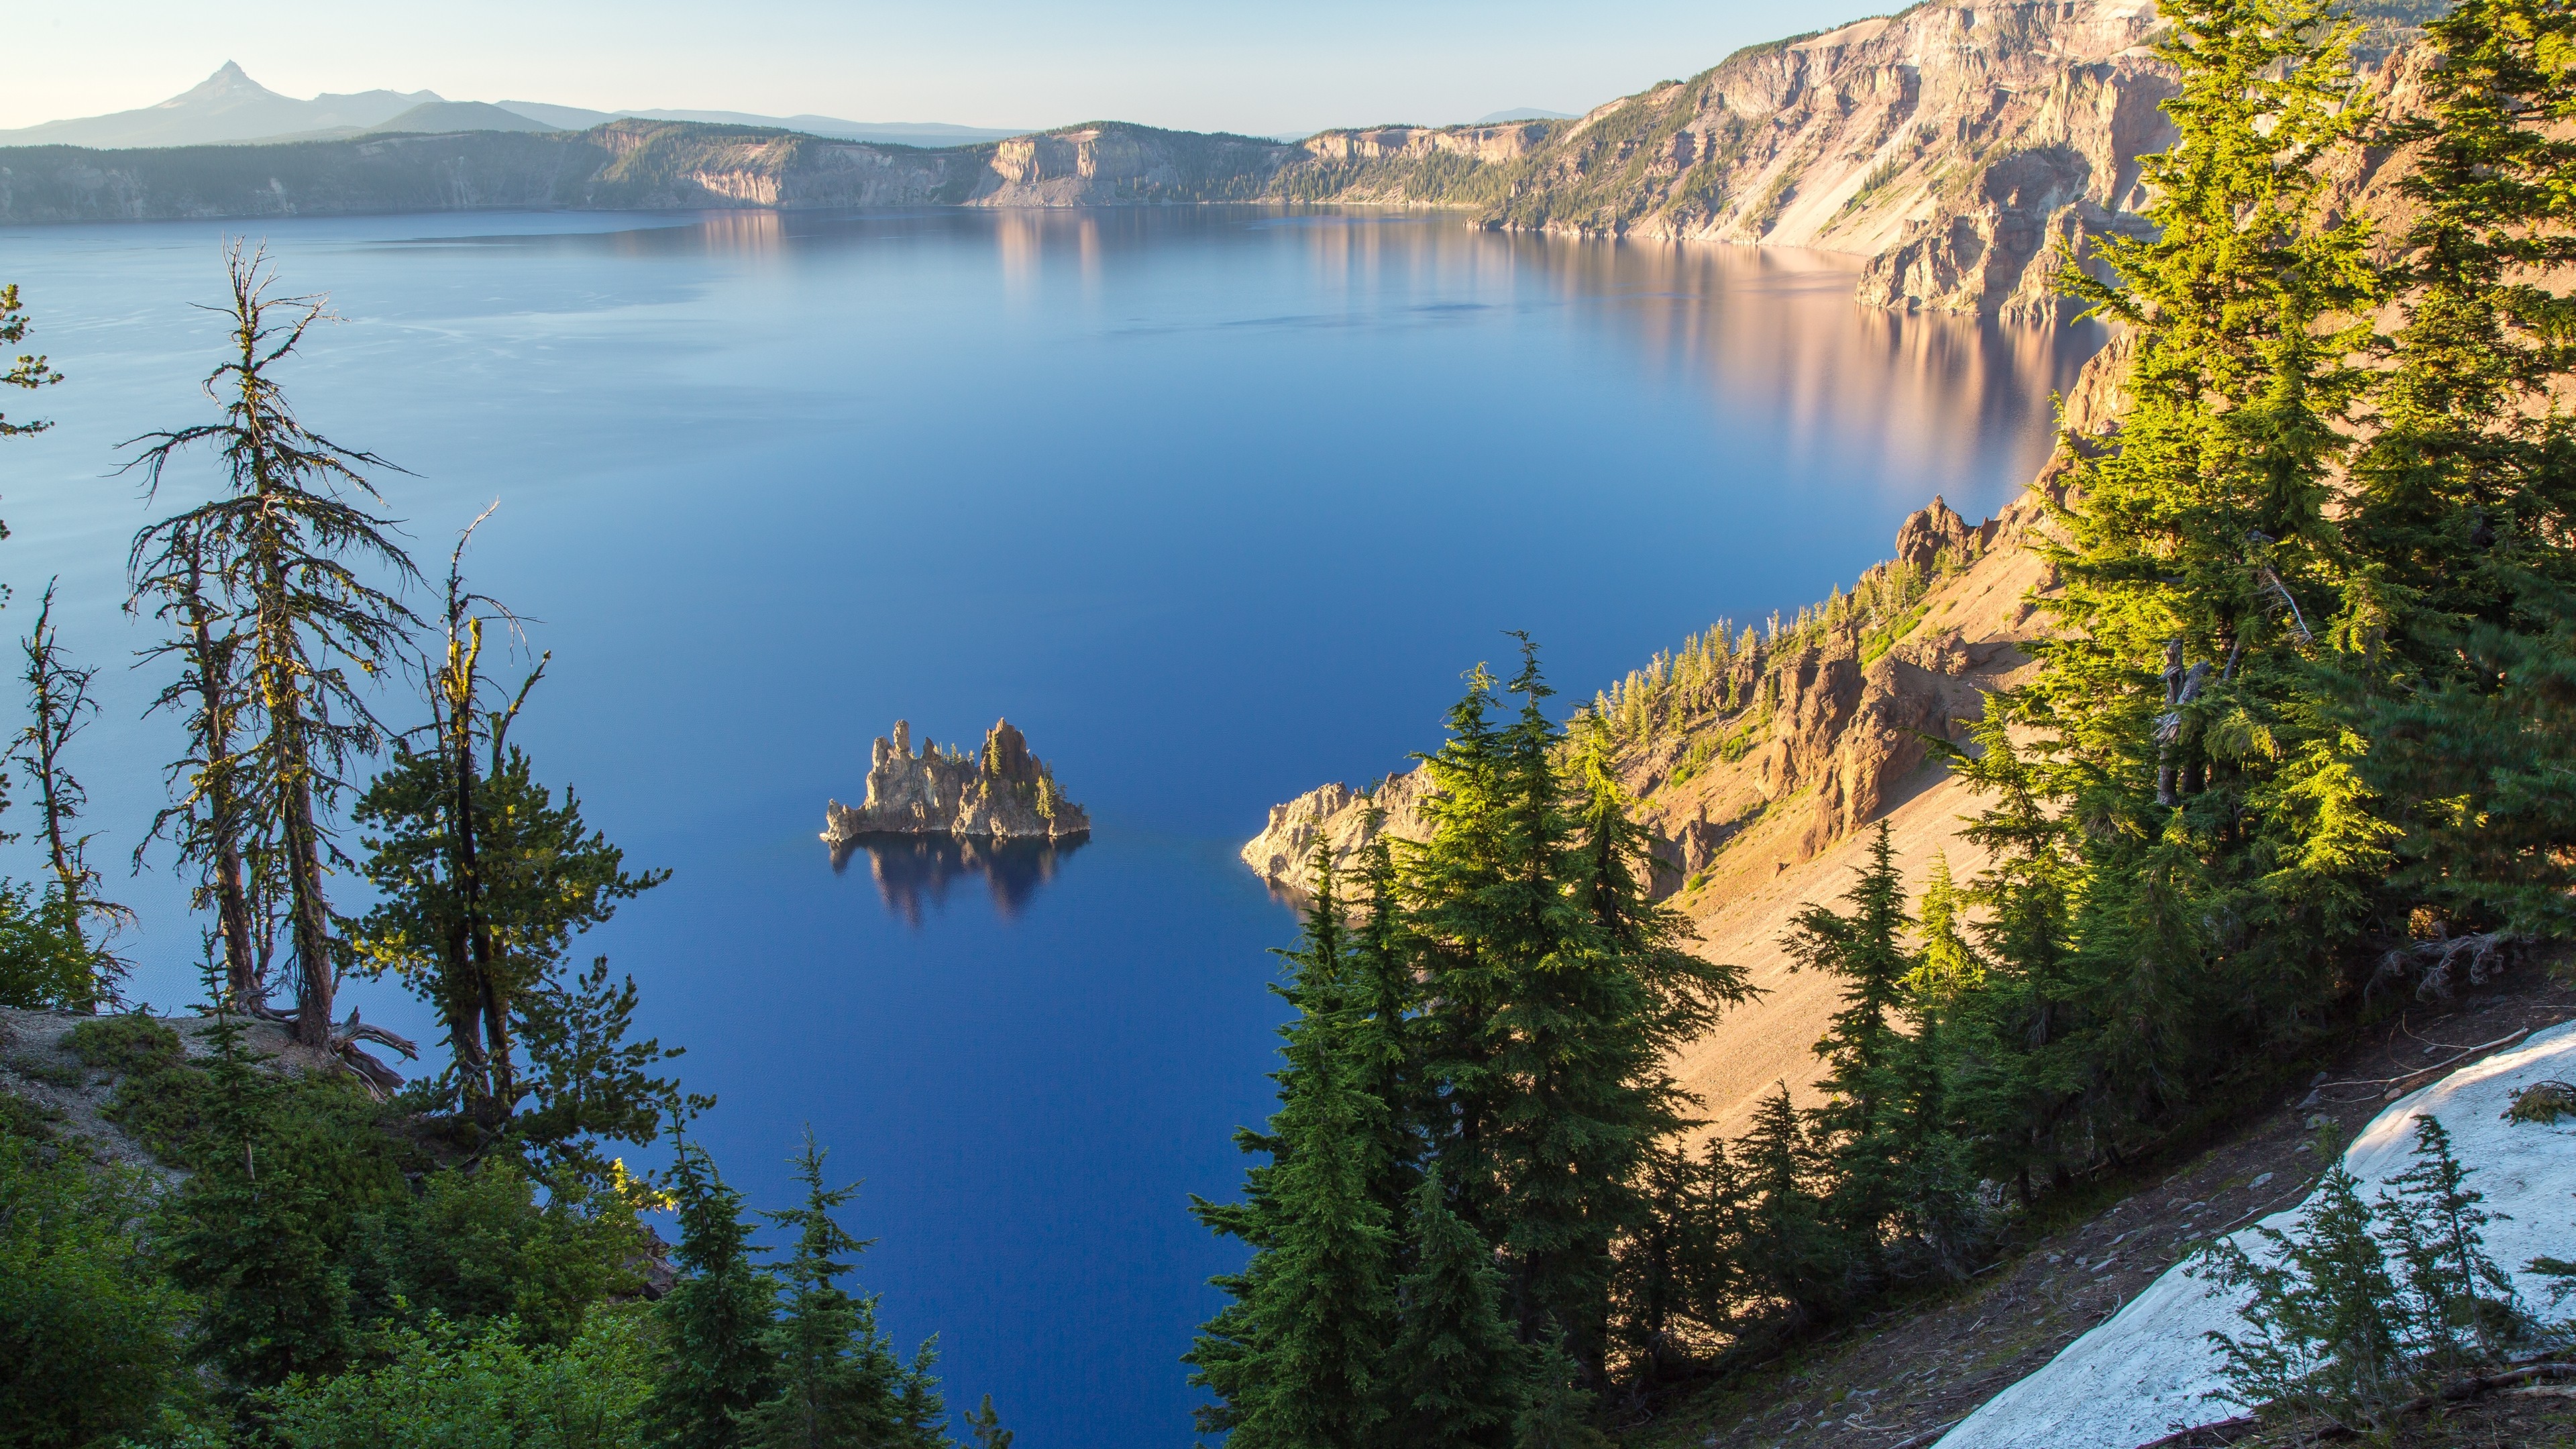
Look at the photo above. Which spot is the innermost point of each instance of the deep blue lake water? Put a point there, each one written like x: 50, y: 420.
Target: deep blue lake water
x: 1216, y: 505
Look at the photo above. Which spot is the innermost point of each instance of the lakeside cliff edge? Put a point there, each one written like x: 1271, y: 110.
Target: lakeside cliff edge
x: 1002, y: 792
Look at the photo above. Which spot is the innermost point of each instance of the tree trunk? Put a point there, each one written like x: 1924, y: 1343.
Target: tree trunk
x: 315, y: 979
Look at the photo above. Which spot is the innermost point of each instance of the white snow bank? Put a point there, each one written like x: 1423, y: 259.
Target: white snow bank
x: 2143, y: 1374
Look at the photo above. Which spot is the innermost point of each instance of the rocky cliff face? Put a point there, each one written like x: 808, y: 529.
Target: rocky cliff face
x: 1811, y: 739
x: 1339, y: 819
x: 1001, y: 792
x: 1968, y: 148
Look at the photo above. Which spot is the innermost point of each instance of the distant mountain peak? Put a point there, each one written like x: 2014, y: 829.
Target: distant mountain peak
x: 229, y: 82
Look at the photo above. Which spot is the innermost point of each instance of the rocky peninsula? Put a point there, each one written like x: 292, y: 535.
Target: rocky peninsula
x: 1001, y: 792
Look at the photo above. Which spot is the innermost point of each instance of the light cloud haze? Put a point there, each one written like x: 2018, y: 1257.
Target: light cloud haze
x: 1202, y: 65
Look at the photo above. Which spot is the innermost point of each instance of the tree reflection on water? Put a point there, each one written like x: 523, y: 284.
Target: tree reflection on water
x: 912, y: 870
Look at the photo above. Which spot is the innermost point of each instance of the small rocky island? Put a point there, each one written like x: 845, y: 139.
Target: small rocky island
x: 1000, y: 793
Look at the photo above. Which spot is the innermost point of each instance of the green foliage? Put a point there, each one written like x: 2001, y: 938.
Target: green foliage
x: 1557, y: 1414
x: 91, y: 1342
x: 2461, y: 1307
x: 299, y: 573
x: 1454, y: 1375
x: 2333, y: 1331
x: 260, y: 1229
x: 476, y: 1247
x: 45, y: 962
x: 486, y: 946
x: 25, y: 370
x: 986, y: 1427
x: 2543, y: 1102
x: 160, y: 1098
x: 586, y: 1082
x: 442, y: 1386
x: 2325, y: 1331
x: 840, y: 1384
x: 1295, y: 1358
x: 715, y: 1321
x: 1789, y: 1252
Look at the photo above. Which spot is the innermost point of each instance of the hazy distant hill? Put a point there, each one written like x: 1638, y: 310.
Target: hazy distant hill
x: 226, y: 106
x: 1524, y: 113
x: 890, y: 133
x: 231, y: 107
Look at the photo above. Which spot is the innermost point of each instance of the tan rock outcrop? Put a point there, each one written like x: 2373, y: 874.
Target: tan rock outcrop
x: 1001, y: 792
x: 1337, y: 817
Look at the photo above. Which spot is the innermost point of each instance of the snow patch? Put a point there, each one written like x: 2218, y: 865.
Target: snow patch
x: 2147, y: 1372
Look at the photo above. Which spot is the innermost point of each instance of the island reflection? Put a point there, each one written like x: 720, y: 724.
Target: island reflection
x: 912, y: 870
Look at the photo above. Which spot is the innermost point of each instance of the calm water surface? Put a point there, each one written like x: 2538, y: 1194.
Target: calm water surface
x: 1215, y: 505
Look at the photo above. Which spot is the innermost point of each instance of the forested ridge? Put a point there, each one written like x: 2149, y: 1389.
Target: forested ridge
x: 2294, y: 752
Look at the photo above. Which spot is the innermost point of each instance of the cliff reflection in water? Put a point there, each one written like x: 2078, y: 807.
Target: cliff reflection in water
x: 912, y: 870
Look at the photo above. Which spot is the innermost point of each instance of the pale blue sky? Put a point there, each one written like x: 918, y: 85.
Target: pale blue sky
x: 1201, y: 64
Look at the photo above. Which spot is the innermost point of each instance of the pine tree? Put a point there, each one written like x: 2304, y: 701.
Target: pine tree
x: 839, y: 1381
x: 1295, y: 1359
x: 213, y: 822
x: 1558, y: 1411
x: 2018, y: 1049
x: 1950, y: 967
x: 245, y: 1234
x: 717, y: 1360
x: 2326, y: 1332
x: 1862, y: 1045
x: 59, y: 708
x: 2461, y: 1307
x: 484, y: 876
x: 291, y: 555
x: 1787, y: 1250
x: 1383, y: 956
x: 1663, y: 1262
x: 921, y: 1414
x: 987, y: 1428
x: 2462, y: 654
x: 1455, y: 1373
x: 1455, y: 886
x: 2183, y: 836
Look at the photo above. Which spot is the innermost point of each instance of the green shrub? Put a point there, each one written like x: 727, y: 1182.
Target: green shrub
x: 44, y: 963
x: 46, y: 1070
x: 125, y: 1044
x: 476, y: 1248
x: 27, y: 1120
x: 160, y: 1099
x: 440, y: 1386
x: 90, y: 1343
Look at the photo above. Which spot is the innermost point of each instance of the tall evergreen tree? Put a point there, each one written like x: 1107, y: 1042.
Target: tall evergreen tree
x: 1862, y: 1045
x: 2177, y: 747
x: 213, y: 821
x: 1455, y: 1374
x: 717, y: 1360
x: 484, y: 876
x: 292, y: 555
x: 1388, y: 999
x: 1295, y: 1359
x: 2462, y: 658
x: 839, y: 1383
x: 1789, y: 1250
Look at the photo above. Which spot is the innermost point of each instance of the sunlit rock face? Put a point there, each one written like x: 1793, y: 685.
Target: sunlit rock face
x: 1001, y: 792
